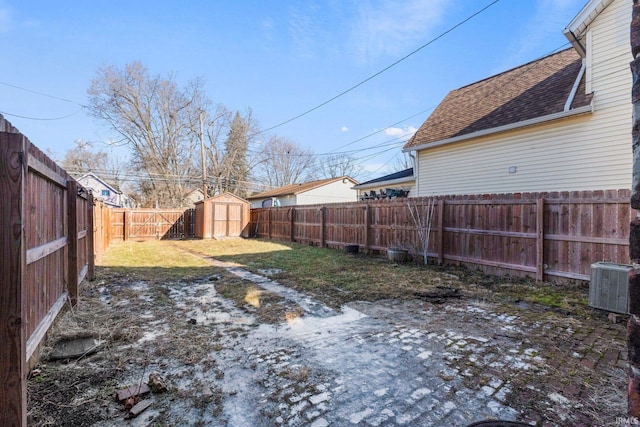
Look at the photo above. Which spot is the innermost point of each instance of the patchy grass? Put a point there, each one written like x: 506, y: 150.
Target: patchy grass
x: 336, y: 278
x: 328, y: 274
x: 266, y: 306
x: 152, y: 260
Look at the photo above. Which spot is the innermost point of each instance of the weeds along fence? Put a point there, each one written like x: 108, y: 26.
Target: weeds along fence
x: 46, y: 245
x: 543, y: 235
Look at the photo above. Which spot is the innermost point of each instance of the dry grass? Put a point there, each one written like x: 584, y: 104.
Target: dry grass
x: 266, y: 306
x: 155, y: 260
x: 336, y: 278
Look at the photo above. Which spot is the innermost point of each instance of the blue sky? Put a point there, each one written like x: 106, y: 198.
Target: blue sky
x: 279, y: 58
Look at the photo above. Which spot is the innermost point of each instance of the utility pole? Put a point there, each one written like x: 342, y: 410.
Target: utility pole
x: 204, y: 163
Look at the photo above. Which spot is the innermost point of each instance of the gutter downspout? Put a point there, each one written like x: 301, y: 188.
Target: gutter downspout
x: 415, y: 170
x: 576, y: 84
x: 575, y: 42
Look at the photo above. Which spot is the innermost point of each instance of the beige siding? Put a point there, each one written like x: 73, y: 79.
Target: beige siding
x: 334, y: 192
x: 589, y: 152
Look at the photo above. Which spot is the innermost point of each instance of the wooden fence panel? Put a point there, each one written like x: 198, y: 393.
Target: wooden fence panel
x: 146, y: 224
x: 39, y: 253
x: 13, y: 173
x: 552, y: 235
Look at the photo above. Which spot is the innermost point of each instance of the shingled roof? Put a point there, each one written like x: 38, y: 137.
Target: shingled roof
x: 406, y: 173
x: 530, y: 91
x: 298, y: 188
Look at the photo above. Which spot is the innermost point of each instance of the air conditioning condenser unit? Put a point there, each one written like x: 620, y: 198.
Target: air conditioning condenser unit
x: 609, y: 287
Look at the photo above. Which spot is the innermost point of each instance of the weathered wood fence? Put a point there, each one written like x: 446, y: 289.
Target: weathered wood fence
x: 46, y: 251
x: 145, y: 224
x: 543, y: 235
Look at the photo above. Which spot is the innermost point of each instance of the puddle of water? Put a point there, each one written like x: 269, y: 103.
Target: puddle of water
x: 318, y: 326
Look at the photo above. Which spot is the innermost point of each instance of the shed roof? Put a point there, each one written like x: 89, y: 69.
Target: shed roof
x: 396, y: 176
x: 224, y: 197
x: 537, y: 89
x: 298, y: 188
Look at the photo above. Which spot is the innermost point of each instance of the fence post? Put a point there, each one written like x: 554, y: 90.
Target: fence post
x: 367, y: 226
x: 540, y: 239
x: 91, y: 245
x: 293, y: 214
x: 440, y: 228
x: 13, y: 351
x: 269, y: 223
x: 125, y: 225
x: 72, y: 239
x: 323, y: 220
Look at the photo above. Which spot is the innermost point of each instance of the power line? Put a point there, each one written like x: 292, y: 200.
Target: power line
x: 381, y: 71
x: 41, y: 93
x: 41, y: 118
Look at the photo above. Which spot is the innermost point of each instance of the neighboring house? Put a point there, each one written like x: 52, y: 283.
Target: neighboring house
x: 397, y: 183
x: 104, y: 191
x: 193, y: 197
x: 559, y: 123
x: 331, y: 190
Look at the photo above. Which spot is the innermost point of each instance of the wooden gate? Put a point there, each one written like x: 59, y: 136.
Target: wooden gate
x: 145, y: 224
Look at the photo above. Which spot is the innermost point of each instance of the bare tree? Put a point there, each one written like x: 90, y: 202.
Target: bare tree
x: 402, y: 162
x: 216, y: 125
x: 156, y: 118
x: 422, y: 216
x: 337, y: 165
x: 108, y: 165
x: 283, y: 162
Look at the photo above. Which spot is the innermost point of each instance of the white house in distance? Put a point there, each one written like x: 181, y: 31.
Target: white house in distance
x: 192, y: 197
x: 102, y: 190
x: 397, y: 184
x: 559, y: 123
x: 331, y: 190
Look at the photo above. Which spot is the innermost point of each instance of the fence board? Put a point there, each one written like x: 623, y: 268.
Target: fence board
x: 13, y: 405
x: 38, y: 255
x: 146, y: 224
x: 553, y: 235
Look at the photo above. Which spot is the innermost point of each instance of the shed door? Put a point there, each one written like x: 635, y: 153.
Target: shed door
x: 227, y: 220
x: 234, y: 220
x: 220, y: 220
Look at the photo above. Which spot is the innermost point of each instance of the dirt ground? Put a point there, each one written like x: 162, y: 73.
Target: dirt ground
x: 238, y: 348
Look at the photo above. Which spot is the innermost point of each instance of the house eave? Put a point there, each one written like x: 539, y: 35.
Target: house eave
x: 576, y: 28
x: 406, y: 180
x: 587, y: 109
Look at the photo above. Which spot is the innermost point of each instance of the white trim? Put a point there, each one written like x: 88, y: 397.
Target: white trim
x: 574, y: 89
x: 585, y: 17
x: 407, y: 179
x: 512, y: 126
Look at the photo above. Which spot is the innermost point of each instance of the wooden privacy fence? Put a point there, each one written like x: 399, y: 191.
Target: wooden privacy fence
x: 145, y: 224
x: 46, y: 251
x: 544, y: 235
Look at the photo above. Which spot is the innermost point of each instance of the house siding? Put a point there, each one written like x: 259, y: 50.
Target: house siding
x: 334, y: 192
x: 588, y: 152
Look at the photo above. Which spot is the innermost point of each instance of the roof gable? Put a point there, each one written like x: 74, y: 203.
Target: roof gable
x: 93, y: 176
x: 578, y: 25
x: 533, y: 90
x: 224, y: 197
x: 299, y: 188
